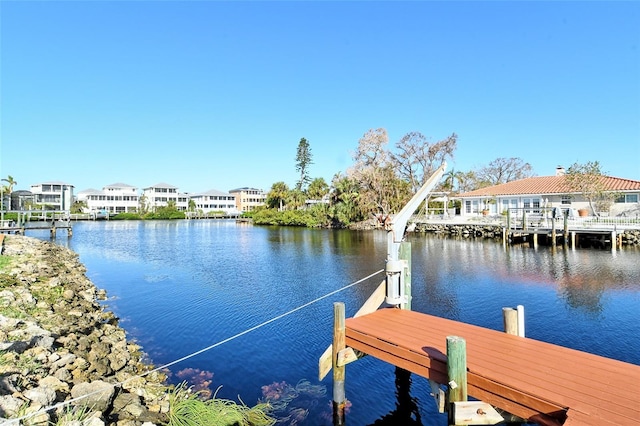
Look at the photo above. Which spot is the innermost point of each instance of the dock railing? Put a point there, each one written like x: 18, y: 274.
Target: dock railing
x: 534, y: 220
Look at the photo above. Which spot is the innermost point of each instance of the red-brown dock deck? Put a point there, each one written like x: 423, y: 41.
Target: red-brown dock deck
x: 544, y: 383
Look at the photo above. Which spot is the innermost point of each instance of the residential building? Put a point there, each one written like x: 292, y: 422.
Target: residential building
x: 53, y: 195
x: 115, y: 198
x: 247, y: 199
x: 160, y: 194
x: 215, y: 201
x: 533, y: 194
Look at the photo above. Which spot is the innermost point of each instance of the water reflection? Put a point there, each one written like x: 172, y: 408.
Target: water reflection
x: 180, y: 286
x: 406, y: 411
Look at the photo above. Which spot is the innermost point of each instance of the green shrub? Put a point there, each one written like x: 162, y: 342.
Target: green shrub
x: 127, y: 216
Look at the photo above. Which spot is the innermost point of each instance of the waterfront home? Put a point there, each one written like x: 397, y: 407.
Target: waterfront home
x: 115, y: 198
x: 534, y: 194
x: 160, y: 194
x: 53, y: 195
x: 215, y: 201
x: 247, y: 199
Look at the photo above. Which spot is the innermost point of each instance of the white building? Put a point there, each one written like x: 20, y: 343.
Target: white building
x: 215, y: 201
x: 53, y: 195
x: 533, y: 194
x: 115, y: 198
x: 160, y: 194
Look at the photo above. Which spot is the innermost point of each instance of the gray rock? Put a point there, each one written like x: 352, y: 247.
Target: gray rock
x: 10, y: 405
x: 97, y: 394
x: 17, y: 346
x: 43, y: 395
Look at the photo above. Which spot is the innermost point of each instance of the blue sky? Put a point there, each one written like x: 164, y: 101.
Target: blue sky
x: 216, y: 95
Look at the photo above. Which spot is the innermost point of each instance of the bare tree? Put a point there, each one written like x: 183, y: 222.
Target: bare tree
x: 417, y: 158
x: 503, y: 170
x: 381, y: 190
x: 589, y: 180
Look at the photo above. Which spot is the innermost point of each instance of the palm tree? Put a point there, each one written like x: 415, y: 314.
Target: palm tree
x: 318, y: 188
x: 277, y: 195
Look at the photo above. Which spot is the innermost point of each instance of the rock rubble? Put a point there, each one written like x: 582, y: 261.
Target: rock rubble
x: 58, y: 343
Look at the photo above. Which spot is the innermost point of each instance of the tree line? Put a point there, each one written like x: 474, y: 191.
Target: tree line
x: 381, y: 180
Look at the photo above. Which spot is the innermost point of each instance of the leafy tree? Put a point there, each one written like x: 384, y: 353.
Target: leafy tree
x: 78, y: 206
x: 503, y: 170
x: 303, y: 161
x: 143, y: 207
x: 277, y: 196
x: 170, y: 211
x: 318, y: 188
x: 417, y: 158
x: 345, y: 200
x: 295, y: 199
x: 192, y: 205
x: 589, y: 180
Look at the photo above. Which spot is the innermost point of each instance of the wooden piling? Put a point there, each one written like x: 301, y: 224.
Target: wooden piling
x: 457, y: 372
x: 614, y: 241
x: 339, y: 399
x: 510, y: 321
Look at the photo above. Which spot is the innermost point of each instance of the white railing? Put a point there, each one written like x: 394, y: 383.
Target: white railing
x: 536, y: 220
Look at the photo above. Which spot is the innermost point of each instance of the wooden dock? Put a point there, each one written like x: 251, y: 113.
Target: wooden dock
x: 541, y: 382
x: 52, y: 228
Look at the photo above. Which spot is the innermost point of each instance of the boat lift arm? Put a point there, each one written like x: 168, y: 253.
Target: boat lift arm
x: 395, y: 234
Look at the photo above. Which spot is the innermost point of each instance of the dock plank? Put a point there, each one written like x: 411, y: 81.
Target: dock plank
x: 527, y: 377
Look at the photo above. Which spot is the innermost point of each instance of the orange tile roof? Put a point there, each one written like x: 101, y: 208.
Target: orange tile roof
x: 540, y: 185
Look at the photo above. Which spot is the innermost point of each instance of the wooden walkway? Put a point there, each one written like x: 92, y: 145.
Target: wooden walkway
x: 541, y: 382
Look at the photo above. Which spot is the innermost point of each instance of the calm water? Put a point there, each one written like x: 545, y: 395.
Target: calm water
x: 181, y: 286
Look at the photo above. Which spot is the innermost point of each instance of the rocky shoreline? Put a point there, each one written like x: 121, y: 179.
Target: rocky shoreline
x: 58, y: 343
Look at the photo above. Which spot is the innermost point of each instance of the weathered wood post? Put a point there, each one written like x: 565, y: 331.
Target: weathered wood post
x: 513, y: 320
x: 457, y: 372
x: 565, y: 228
x: 614, y: 241
x: 510, y: 321
x: 339, y: 399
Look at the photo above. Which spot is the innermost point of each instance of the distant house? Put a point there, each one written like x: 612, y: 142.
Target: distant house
x: 215, y: 201
x: 53, y: 195
x: 247, y: 199
x: 160, y: 194
x: 534, y: 193
x: 115, y: 198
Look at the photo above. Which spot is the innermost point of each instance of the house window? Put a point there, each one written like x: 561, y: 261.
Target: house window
x: 531, y: 205
x: 566, y: 200
x: 627, y: 198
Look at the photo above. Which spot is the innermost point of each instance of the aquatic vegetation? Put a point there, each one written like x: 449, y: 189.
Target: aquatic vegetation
x: 292, y: 405
x: 186, y: 408
x: 200, y: 380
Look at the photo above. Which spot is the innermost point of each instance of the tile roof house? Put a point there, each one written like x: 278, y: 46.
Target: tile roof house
x: 532, y: 194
